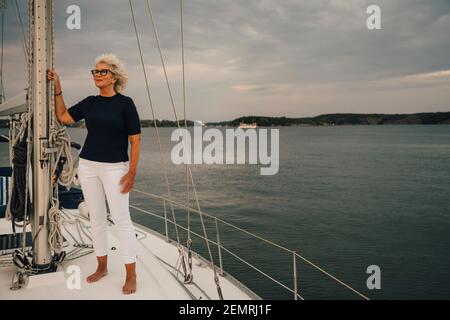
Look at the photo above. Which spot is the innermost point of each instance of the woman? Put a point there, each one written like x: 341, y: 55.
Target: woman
x: 104, y: 168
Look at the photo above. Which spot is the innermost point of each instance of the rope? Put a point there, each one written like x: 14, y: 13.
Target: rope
x: 20, y: 136
x: 216, y: 279
x: 64, y: 169
x: 55, y: 238
x: 79, y: 224
x: 19, y: 184
x: 79, y: 242
x: 28, y: 118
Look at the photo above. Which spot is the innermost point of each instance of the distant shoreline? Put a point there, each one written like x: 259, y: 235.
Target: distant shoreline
x: 339, y: 119
x: 336, y: 119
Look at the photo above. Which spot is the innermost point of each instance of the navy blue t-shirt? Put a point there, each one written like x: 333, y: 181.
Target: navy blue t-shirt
x: 109, y: 121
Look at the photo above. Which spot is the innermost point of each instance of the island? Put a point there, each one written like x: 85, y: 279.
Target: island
x: 335, y: 119
x: 339, y: 119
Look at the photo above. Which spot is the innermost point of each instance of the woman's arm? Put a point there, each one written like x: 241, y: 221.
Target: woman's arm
x: 127, y: 180
x: 135, y: 141
x: 60, y: 108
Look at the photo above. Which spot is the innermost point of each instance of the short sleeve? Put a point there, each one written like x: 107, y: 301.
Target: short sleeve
x: 77, y: 111
x: 133, y: 122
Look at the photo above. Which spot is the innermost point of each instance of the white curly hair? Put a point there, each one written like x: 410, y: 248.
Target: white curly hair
x: 118, y: 67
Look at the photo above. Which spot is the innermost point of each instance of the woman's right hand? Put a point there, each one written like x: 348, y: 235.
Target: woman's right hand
x: 52, y: 75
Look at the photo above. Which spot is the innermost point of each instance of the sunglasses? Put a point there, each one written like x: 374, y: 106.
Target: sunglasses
x: 102, y: 72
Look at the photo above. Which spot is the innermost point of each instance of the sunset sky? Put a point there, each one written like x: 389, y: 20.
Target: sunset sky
x: 290, y: 58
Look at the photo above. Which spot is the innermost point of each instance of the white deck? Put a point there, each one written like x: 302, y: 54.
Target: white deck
x: 156, y: 273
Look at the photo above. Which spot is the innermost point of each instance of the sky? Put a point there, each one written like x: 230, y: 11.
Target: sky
x: 293, y: 58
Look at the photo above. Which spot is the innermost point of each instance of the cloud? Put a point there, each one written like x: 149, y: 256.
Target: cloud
x: 261, y: 89
x: 430, y: 76
x: 305, y: 57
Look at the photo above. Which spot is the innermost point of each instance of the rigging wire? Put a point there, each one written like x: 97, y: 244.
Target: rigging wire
x: 22, y: 33
x: 161, y: 151
x: 189, y: 238
x: 216, y: 279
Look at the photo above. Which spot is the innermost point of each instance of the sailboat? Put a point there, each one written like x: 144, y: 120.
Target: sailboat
x: 46, y: 247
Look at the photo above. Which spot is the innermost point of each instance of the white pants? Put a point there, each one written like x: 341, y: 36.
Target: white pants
x: 96, y: 180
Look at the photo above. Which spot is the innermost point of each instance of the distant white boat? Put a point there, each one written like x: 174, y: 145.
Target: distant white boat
x: 243, y: 125
x: 199, y: 123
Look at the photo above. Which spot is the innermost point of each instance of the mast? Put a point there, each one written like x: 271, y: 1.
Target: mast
x: 41, y: 95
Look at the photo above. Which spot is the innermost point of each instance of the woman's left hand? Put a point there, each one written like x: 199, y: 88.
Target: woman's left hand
x: 127, y: 182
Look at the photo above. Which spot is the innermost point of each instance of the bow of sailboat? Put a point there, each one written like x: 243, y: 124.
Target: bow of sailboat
x: 156, y: 266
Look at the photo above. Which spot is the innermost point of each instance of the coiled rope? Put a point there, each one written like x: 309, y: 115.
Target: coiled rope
x: 19, y: 182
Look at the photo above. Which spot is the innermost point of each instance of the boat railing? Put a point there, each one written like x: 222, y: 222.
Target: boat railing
x: 295, y: 256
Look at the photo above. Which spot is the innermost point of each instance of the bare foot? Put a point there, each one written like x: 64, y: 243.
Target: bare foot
x: 97, y: 275
x: 130, y: 285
